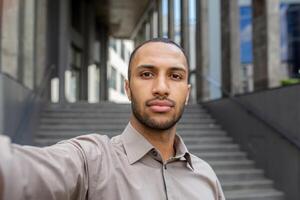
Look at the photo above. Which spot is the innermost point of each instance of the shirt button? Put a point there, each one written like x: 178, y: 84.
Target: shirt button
x: 154, y: 153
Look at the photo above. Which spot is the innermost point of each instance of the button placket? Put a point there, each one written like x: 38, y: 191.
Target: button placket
x: 164, y: 171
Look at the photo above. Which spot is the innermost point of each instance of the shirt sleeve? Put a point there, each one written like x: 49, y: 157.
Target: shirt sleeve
x: 220, y: 191
x: 57, y: 172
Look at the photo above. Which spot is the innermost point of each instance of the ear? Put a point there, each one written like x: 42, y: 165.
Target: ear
x: 127, y: 89
x: 188, y: 94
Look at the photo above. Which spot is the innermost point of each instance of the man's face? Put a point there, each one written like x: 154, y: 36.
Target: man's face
x: 158, y: 87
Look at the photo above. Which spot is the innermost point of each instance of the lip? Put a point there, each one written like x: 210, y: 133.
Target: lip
x: 160, y: 106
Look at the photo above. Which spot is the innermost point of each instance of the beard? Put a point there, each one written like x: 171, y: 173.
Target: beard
x: 150, y: 122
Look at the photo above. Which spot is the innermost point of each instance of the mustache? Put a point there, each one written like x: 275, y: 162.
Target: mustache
x: 160, y: 98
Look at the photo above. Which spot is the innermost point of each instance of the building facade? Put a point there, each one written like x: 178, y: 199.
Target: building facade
x: 76, y: 52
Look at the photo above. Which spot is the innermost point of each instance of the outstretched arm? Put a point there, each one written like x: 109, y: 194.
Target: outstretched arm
x: 56, y: 172
x: 1, y: 185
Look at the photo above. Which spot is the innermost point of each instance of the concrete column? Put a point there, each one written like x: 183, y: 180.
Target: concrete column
x: 266, y: 44
x: 230, y: 43
x: 202, y: 51
x: 150, y: 19
x: 135, y: 41
x: 40, y: 42
x: 103, y: 64
x: 21, y: 29
x: 10, y: 37
x: 88, y: 13
x: 155, y: 24
x: 138, y: 40
x: 1, y: 18
x: 185, y: 26
x: 64, y: 44
x: 28, y: 55
x: 159, y: 18
x: 147, y: 30
x: 171, y: 23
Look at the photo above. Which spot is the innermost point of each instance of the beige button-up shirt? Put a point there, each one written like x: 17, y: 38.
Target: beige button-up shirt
x: 94, y: 167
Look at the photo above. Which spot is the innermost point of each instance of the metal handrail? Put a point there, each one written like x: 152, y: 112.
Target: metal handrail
x: 255, y: 113
x: 31, y: 99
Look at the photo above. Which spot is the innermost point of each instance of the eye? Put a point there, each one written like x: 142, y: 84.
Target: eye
x: 176, y: 77
x: 146, y: 75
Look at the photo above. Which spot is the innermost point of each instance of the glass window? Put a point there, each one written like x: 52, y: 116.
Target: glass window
x: 76, y: 15
x: 113, y: 79
x: 55, y: 90
x: 154, y: 24
x: 122, y: 50
x: 192, y: 33
x: 122, y: 84
x: 97, y: 46
x: 93, y: 83
x: 72, y: 76
x: 113, y: 44
x: 72, y: 85
x: 165, y: 18
x: 292, y: 39
x: 177, y: 22
x: 76, y: 57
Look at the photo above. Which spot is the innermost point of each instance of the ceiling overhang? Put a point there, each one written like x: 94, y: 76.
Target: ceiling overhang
x: 121, y: 16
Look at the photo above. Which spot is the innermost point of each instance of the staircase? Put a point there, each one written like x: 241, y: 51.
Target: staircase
x: 239, y: 177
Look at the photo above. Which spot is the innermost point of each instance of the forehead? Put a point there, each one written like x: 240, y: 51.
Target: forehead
x: 159, y: 52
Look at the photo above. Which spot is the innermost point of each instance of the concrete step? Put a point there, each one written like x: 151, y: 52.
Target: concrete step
x: 86, y: 115
x: 201, y: 133
x: 221, y: 156
x: 214, y: 148
x: 246, y: 185
x: 240, y: 175
x: 116, y: 109
x: 207, y: 140
x: 270, y: 194
x: 232, y: 164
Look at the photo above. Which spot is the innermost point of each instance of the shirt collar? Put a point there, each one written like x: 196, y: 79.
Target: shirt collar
x: 182, y: 151
x: 136, y: 146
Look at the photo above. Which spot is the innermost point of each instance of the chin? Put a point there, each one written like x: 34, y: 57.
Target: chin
x: 160, y: 125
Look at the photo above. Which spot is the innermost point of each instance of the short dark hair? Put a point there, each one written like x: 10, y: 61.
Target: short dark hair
x: 163, y: 40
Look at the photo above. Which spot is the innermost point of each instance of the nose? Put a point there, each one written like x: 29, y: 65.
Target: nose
x: 161, y: 87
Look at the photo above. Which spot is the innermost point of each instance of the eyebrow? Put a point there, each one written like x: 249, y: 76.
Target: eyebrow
x: 149, y: 66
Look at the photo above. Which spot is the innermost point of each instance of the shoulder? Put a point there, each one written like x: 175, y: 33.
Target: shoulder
x: 89, y: 145
x: 90, y: 139
x: 201, y: 166
x: 203, y: 169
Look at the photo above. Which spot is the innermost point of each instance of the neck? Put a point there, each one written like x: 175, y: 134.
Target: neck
x: 163, y: 140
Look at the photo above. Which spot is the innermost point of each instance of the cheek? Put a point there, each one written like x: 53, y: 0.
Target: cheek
x: 139, y: 92
x: 181, y: 93
x: 141, y: 88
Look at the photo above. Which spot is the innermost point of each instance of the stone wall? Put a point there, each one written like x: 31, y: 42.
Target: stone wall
x: 277, y: 156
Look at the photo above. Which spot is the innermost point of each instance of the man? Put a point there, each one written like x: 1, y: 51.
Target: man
x: 147, y: 161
